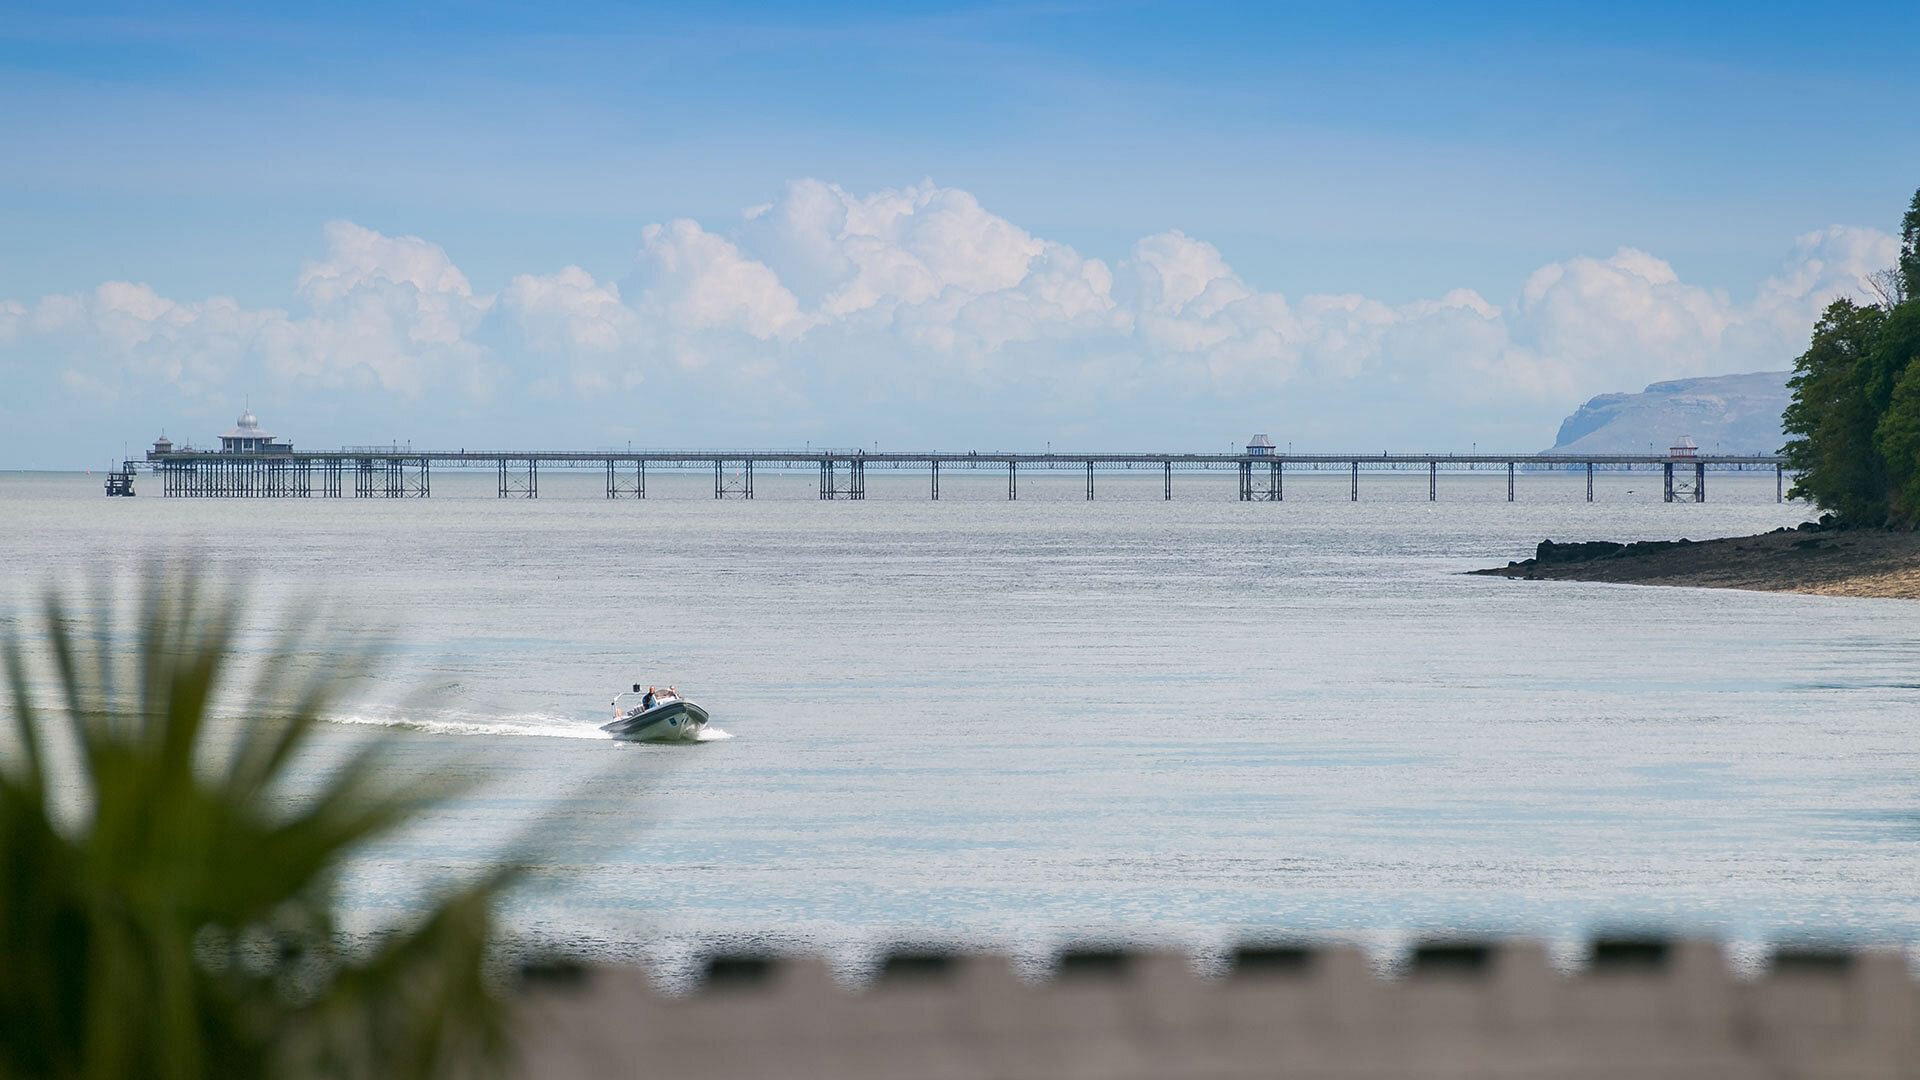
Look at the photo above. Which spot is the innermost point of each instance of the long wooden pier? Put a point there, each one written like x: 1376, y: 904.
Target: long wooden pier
x: 394, y: 472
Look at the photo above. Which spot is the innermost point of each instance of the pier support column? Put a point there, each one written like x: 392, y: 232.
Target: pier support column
x: 1089, y: 481
x: 933, y: 483
x: 1273, y: 481
x: 1013, y: 480
x: 1667, y: 467
x: 743, y: 486
x: 1167, y: 480
x: 857, y: 474
x: 616, y: 487
x: 1246, y: 481
x: 1353, y: 493
x: 1509, y: 481
x: 510, y: 485
x: 1433, y: 481
x: 1589, y: 481
x: 1699, y: 481
x: 1779, y: 484
x: 826, y: 479
x: 1279, y: 481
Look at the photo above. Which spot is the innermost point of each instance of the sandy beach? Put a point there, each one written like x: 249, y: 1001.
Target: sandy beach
x: 1827, y: 562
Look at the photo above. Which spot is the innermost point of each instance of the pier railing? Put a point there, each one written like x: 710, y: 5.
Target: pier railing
x: 390, y: 472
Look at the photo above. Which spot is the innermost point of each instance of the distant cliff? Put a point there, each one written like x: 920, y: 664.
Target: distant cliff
x: 1732, y: 414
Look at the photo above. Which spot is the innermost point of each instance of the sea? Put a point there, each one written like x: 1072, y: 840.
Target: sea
x: 1052, y: 722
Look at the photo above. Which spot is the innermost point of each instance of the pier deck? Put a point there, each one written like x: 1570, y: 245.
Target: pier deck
x: 391, y: 472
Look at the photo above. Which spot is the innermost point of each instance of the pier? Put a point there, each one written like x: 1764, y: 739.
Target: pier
x: 405, y: 473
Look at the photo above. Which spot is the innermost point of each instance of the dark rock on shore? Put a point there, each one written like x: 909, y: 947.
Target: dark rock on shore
x: 1817, y: 557
x: 1550, y: 553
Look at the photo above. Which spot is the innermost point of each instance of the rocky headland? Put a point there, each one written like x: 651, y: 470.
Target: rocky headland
x: 1733, y: 414
x: 1813, y: 558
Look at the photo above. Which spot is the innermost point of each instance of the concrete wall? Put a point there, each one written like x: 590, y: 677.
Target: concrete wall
x: 1639, y: 1009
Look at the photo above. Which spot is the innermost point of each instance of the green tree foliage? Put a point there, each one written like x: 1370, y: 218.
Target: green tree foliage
x: 1899, y: 440
x: 1838, y: 466
x: 1897, y: 436
x: 1910, y: 247
x: 1854, y: 419
x: 166, y: 897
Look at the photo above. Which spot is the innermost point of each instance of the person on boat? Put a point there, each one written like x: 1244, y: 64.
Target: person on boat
x: 647, y: 702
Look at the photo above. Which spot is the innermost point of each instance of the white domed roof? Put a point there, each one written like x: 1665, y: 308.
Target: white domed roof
x: 247, y: 427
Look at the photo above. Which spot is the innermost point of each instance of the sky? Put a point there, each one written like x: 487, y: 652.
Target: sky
x: 952, y: 226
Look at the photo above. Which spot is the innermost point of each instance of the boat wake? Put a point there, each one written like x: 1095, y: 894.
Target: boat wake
x: 532, y: 724
x: 537, y: 725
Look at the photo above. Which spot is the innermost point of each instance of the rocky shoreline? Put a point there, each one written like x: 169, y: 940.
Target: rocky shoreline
x: 1813, y: 558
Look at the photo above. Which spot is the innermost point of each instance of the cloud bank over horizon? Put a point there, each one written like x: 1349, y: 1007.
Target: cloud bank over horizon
x: 911, y: 314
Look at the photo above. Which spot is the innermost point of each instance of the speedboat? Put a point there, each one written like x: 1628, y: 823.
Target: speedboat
x: 669, y: 718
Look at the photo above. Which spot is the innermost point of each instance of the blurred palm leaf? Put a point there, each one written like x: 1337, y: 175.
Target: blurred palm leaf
x: 168, y: 909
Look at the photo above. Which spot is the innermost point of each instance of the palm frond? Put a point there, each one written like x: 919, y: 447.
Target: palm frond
x: 182, y: 923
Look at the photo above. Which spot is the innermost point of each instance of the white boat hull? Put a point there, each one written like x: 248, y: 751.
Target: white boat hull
x: 669, y: 721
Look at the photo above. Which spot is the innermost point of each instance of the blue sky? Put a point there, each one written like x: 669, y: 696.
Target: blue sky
x: 1102, y: 225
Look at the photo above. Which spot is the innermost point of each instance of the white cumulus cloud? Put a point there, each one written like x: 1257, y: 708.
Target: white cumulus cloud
x: 901, y: 296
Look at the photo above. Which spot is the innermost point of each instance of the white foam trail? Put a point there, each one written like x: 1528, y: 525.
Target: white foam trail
x: 712, y: 734
x: 539, y: 725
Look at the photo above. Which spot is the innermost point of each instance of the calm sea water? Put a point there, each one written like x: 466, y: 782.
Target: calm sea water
x: 1019, y: 724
